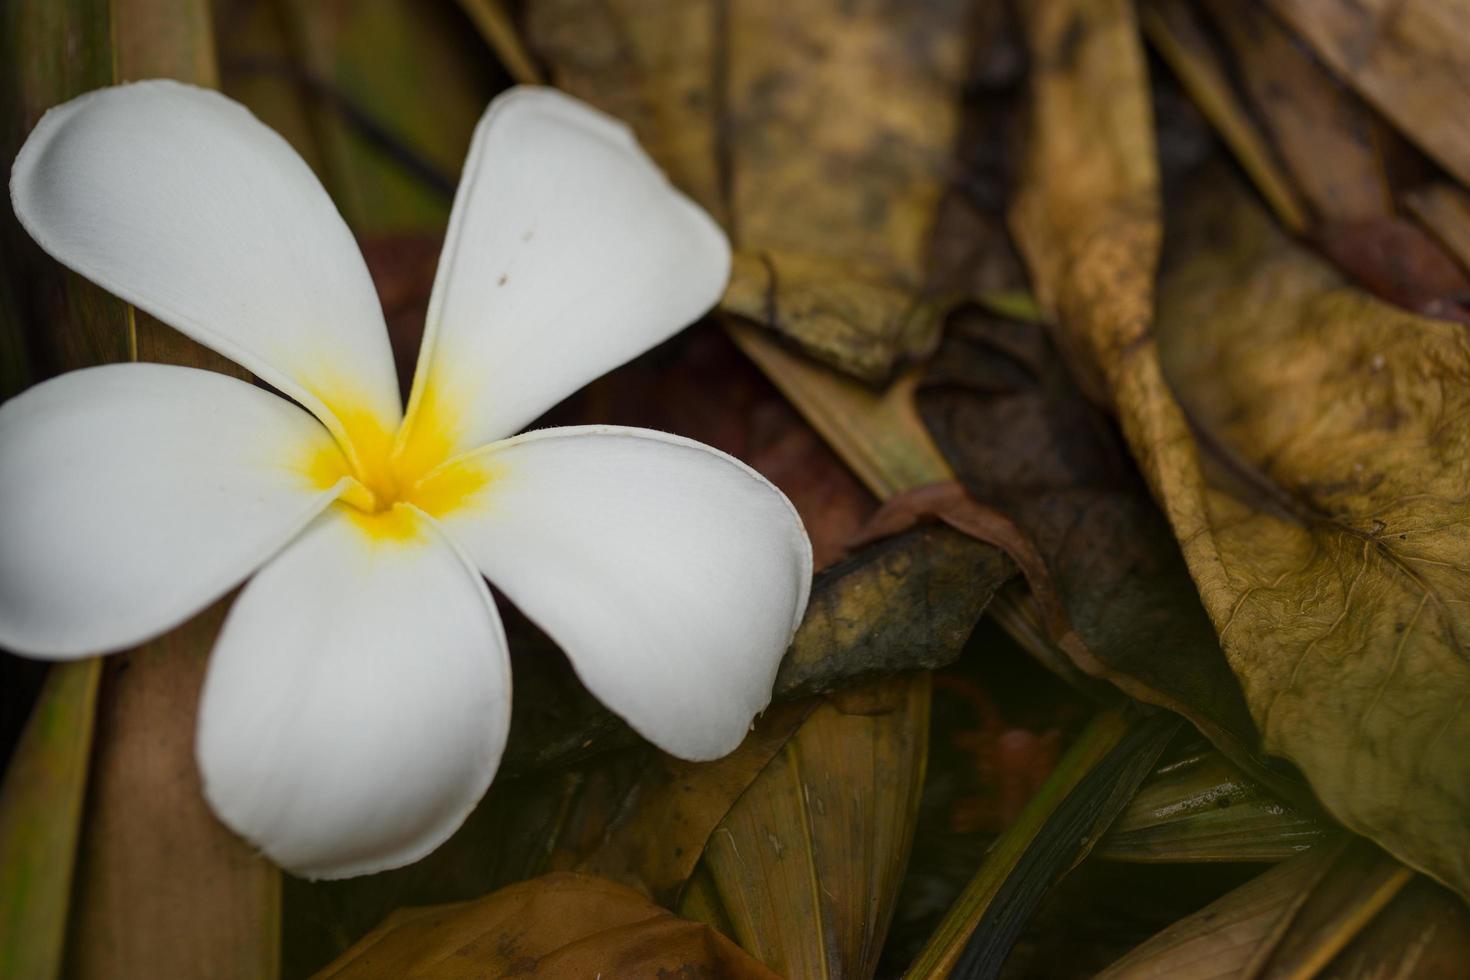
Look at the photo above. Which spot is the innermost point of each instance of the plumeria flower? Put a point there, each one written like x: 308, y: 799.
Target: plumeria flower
x: 358, y: 695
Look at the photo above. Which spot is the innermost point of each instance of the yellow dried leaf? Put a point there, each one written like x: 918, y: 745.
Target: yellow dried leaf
x: 1327, y: 535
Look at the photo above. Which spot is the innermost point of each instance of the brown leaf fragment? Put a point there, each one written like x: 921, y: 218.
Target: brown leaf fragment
x: 1324, y: 140
x: 1409, y: 58
x: 1394, y: 259
x: 1177, y: 32
x: 1360, y: 883
x: 558, y: 925
x: 1086, y: 215
x: 860, y: 624
x: 1444, y: 209
x: 1324, y: 134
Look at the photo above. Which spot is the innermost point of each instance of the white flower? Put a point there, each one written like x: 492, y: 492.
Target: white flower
x: 358, y: 695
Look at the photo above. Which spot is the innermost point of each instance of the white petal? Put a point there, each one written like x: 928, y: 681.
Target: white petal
x: 568, y: 253
x: 181, y: 202
x: 133, y: 495
x: 671, y: 574
x: 357, y: 701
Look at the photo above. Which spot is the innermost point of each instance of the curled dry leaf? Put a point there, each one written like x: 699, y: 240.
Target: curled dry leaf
x: 558, y: 925
x: 821, y: 139
x: 1329, y: 546
x: 1334, y: 426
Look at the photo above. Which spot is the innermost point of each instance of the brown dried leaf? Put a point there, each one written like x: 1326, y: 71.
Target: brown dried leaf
x: 558, y: 925
x: 806, y: 866
x: 1324, y: 134
x: 1328, y: 548
x: 1424, y: 932
x: 1395, y: 259
x: 1332, y: 146
x: 1408, y: 58
x: 1444, y: 209
x: 1177, y: 32
x: 1223, y: 938
x: 1360, y: 883
x: 1086, y: 215
x: 659, y: 830
x: 1334, y: 513
x: 1105, y: 569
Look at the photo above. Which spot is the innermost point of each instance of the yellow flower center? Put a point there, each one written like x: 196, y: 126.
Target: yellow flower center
x: 392, y: 472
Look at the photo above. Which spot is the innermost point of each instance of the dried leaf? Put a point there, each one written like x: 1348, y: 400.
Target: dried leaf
x: 1424, y: 932
x: 1111, y: 581
x: 1396, y: 260
x: 558, y: 925
x: 1408, y: 58
x: 1180, y: 37
x: 1360, y: 883
x: 1202, y: 808
x: 1086, y: 215
x: 1333, y: 148
x: 1221, y: 939
x: 821, y: 140
x: 1325, y: 136
x: 1289, y: 922
x: 1334, y: 427
x: 1328, y: 560
x: 806, y: 865
x: 878, y: 435
x: 1444, y: 209
x: 660, y: 828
